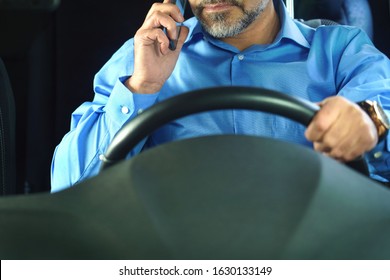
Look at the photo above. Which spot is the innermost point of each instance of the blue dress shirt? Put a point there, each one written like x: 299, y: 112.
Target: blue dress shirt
x: 303, y: 62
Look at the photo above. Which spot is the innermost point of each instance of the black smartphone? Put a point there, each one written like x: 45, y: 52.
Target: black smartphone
x: 182, y: 6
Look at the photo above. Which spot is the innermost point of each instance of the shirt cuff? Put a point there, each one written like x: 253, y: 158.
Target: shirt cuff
x: 378, y: 160
x: 123, y: 105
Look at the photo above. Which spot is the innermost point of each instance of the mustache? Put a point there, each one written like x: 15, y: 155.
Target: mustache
x: 231, y: 2
x: 198, y: 10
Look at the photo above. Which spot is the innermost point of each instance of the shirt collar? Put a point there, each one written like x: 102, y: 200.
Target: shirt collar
x: 289, y: 28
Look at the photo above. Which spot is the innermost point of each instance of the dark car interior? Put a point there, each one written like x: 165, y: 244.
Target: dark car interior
x: 50, y: 51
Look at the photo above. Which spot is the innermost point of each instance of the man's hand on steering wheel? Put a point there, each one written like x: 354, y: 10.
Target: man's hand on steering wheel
x: 341, y: 129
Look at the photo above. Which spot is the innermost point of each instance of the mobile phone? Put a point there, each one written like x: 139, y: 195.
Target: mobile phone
x: 182, y: 6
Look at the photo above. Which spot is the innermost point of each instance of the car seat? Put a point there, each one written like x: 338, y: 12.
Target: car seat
x: 348, y: 12
x: 7, y: 134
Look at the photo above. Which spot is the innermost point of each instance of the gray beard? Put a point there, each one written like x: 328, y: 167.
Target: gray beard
x: 222, y: 28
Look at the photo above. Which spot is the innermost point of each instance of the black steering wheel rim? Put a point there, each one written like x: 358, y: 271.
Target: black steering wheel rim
x: 228, y: 97
x: 208, y: 99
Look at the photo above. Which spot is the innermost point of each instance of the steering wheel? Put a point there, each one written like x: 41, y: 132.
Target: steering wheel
x: 197, y: 101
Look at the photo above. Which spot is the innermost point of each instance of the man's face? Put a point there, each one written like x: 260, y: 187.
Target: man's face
x: 227, y: 18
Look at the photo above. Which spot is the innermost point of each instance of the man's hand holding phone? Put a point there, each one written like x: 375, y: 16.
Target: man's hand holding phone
x: 157, y: 45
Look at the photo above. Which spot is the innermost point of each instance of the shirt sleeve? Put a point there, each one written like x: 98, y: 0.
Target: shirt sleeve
x: 94, y: 124
x: 364, y: 74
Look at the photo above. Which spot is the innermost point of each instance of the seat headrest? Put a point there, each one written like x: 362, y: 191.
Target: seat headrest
x: 349, y: 12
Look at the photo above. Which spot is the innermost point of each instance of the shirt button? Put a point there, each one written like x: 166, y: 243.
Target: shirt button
x: 378, y: 155
x: 125, y: 110
x: 240, y: 57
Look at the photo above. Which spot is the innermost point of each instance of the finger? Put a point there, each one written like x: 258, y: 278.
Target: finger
x: 321, y: 122
x: 321, y: 147
x: 351, y: 143
x: 158, y: 7
x: 155, y: 37
x: 174, y: 11
x: 327, y: 151
x: 162, y: 21
x: 167, y: 10
x: 347, y: 149
x: 340, y: 138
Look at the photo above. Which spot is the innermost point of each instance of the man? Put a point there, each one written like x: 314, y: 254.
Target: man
x: 241, y: 43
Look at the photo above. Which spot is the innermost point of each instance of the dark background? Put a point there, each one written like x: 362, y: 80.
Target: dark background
x: 52, y: 56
